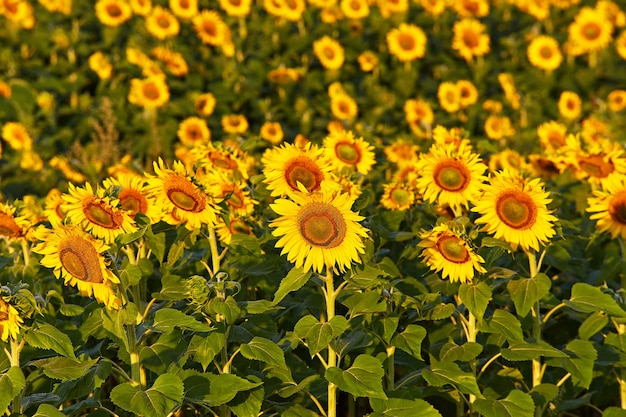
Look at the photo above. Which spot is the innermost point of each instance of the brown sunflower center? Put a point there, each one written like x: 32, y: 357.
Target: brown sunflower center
x: 545, y: 52
x: 406, y: 41
x: 150, y: 91
x: 617, y: 207
x: 322, y: 225
x: 100, y: 213
x: 571, y: 104
x: 453, y: 249
x: 516, y: 209
x: 591, y: 31
x: 133, y: 201
x: 163, y: 22
x: 452, y: 175
x: 400, y: 196
x: 222, y: 161
x: 348, y: 153
x: 80, y: 259
x: 304, y: 170
x: 235, y: 198
x: 470, y: 38
x: 184, y: 195
x: 556, y: 139
x: 114, y: 10
x: 8, y: 226
x: 596, y: 166
x: 355, y: 5
x: 328, y: 52
x: 209, y: 27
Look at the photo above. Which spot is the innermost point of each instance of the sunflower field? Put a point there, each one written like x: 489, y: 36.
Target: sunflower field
x: 301, y: 208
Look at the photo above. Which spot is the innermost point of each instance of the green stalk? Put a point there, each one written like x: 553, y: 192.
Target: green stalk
x: 471, y: 337
x: 14, y: 358
x: 537, y: 371
x: 391, y: 367
x: 331, y: 296
x: 621, y: 329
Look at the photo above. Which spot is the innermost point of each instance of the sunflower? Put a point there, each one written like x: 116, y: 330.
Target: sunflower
x: 233, y: 193
x: 229, y: 159
x: 205, y: 104
x: 151, y: 92
x: 101, y: 65
x: 590, y: 31
x: 272, y: 132
x: 287, y: 166
x: 193, y: 130
x: 433, y: 7
x: 470, y: 39
x: 397, y: 196
x: 617, y: 100
x: 329, y: 52
x: 508, y: 159
x: 388, y: 7
x: 10, y: 321
x: 12, y: 227
x: 62, y: 164
x: 345, y: 152
x: 162, y: 24
x: 448, y: 251
x: 609, y: 206
x: 468, y: 92
x: 419, y: 115
x: 236, y: 8
x: 449, y: 96
x: 292, y: 10
x: 407, y: 42
x: 492, y: 106
x: 498, y: 127
x: 210, y: 28
x: 5, y: 90
x: 282, y: 75
x: 620, y: 44
x: 471, y: 8
x: 77, y: 257
x: 510, y: 92
x: 570, y: 105
x: 234, y: 123
x: 30, y: 160
x: 401, y: 152
x: 354, y: 9
x: 96, y: 213
x: 444, y: 136
x: 543, y: 52
x: 593, y: 161
x: 16, y: 135
x: 319, y: 230
x: 174, y: 61
x: 184, y: 9
x: 367, y: 61
x: 343, y: 107
x: 514, y: 208
x: 552, y: 135
x: 141, y: 7
x: 133, y: 196
x: 235, y: 226
x: 113, y: 12
x: 450, y: 176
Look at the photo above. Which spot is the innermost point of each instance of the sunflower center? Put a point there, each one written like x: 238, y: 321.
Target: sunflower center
x: 406, y: 41
x: 617, y: 207
x: 8, y: 227
x: 114, y: 11
x: 556, y: 139
x: 133, y: 201
x: 235, y: 199
x: 591, y: 31
x: 347, y: 153
x: 97, y: 212
x: 322, y: 225
x: 452, y: 249
x: 470, y: 39
x: 355, y: 5
x: 400, y: 196
x: 80, y: 259
x: 596, y: 166
x: 571, y: 105
x: 185, y: 198
x: 303, y: 170
x: 210, y: 28
x: 452, y: 175
x: 194, y: 133
x: 150, y: 91
x: 163, y: 22
x: 329, y: 53
x: 516, y: 209
x: 222, y: 161
x: 545, y: 52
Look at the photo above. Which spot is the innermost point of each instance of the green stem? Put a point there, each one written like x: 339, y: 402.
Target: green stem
x: 621, y: 329
x: 331, y: 295
x: 471, y: 337
x: 137, y: 373
x: 537, y: 370
x: 14, y: 358
x: 391, y: 367
x: 215, y: 255
x: 25, y: 252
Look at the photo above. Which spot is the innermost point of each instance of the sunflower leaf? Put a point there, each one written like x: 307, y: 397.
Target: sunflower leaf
x: 410, y: 340
x: 525, y: 292
x: 475, y: 297
x: 264, y: 350
x: 589, y: 299
x: 449, y: 373
x: 11, y: 383
x: 516, y: 404
x: 362, y: 379
x: 159, y: 400
x: 295, y: 279
x: 46, y: 336
x: 401, y: 407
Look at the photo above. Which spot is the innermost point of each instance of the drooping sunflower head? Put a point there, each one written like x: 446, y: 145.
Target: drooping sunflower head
x: 514, y: 208
x: 608, y: 205
x: 448, y: 251
x: 319, y: 231
x: 346, y: 152
x: 10, y: 321
x: 13, y: 226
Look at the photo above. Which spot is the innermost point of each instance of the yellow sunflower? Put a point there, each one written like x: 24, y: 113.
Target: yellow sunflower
x: 450, y: 176
x: 508, y: 159
x: 449, y: 96
x: 100, y: 64
x: 234, y: 123
x: 570, y: 105
x: 398, y: 196
x: 235, y: 226
x: 5, y: 90
x: 177, y: 194
x: 162, y: 24
x: 471, y: 8
x: 174, y: 61
x: 367, y: 61
x: 470, y: 39
x: 543, y: 52
x: 354, y: 9
x: 447, y: 251
x: 434, y: 7
x: 53, y: 210
x: 407, y: 42
x: 193, y: 130
x: 141, y: 7
x: 329, y: 52
x: 620, y: 44
x: 233, y: 193
x: 133, y: 196
x: 77, y: 257
x: 510, y: 92
x: 401, y: 152
x: 593, y: 161
x: 617, y: 100
x: 10, y: 321
x: 113, y: 12
x: 236, y: 8
x: 16, y: 135
x: 229, y: 159
x: 609, y: 206
x: 12, y: 226
x: 319, y: 230
x: 389, y: 7
x: 286, y: 166
x: 205, y: 104
x: 468, y: 92
x: 552, y: 135
x: 151, y: 92
x: 292, y: 10
x: 498, y: 127
x: 210, y: 27
x: 514, y: 208
x: 96, y: 213
x: 590, y: 31
x: 184, y: 9
x: 272, y: 132
x: 346, y: 152
x: 419, y: 115
x: 343, y: 107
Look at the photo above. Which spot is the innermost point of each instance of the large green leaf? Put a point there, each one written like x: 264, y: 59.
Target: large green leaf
x: 451, y: 352
x: 295, y: 279
x: 400, y: 407
x: 525, y: 351
x: 525, y: 292
x: 504, y: 323
x: 264, y: 350
x: 157, y: 401
x: 11, y: 383
x: 449, y: 373
x: 366, y: 278
x: 589, y: 299
x: 516, y: 404
x: 475, y: 297
x: 592, y: 325
x: 215, y: 390
x: 410, y: 340
x: 362, y: 379
x: 204, y: 348
x: 580, y: 360
x: 365, y: 302
x: 46, y: 410
x: 64, y: 369
x: 167, y: 318
x: 248, y: 403
x: 614, y: 412
x: 46, y: 336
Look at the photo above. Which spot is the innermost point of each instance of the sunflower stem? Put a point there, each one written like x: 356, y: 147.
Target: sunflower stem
x: 391, y: 367
x: 25, y: 252
x: 537, y: 370
x: 14, y: 358
x: 330, y: 294
x: 471, y: 337
x: 215, y: 255
x: 621, y: 330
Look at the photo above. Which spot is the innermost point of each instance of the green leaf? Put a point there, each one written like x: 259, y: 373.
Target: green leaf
x: 449, y: 373
x: 204, y: 348
x: 504, y: 323
x: 490, y: 242
x: 317, y: 335
x: 592, y: 325
x: 298, y: 411
x: 228, y: 308
x: 366, y: 278
x: 45, y: 336
x: 362, y: 379
x: 157, y: 401
x: 451, y: 352
x: 525, y: 292
x: 130, y: 274
x: 215, y: 390
x: 589, y: 299
x: 167, y: 318
x: 295, y: 279
x: 475, y: 297
x: 400, y: 407
x: 248, y: 403
x: 410, y: 340
x: 544, y: 393
x: 11, y: 384
x: 516, y: 404
x: 46, y: 410
x: 71, y: 310
x: 525, y: 351
x: 294, y: 388
x: 264, y: 350
x: 580, y: 360
x: 365, y: 302
x: 440, y: 311
x: 385, y: 327
x: 614, y: 412
x: 64, y: 369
